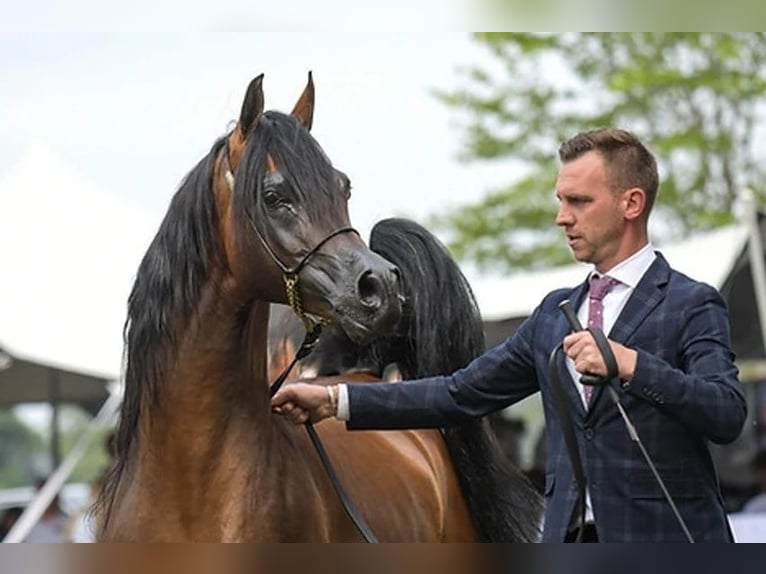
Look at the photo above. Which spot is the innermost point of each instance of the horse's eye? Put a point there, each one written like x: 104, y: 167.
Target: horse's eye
x: 344, y: 183
x: 271, y: 199
x: 277, y: 203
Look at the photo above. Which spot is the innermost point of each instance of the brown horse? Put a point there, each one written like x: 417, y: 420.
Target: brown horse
x: 464, y: 485
x: 199, y: 455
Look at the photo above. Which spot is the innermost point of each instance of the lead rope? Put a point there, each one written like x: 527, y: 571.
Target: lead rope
x: 568, y: 425
x: 313, y: 331
x: 309, y: 343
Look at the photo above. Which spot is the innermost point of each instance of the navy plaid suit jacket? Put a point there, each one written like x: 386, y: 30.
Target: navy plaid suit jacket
x: 685, y: 393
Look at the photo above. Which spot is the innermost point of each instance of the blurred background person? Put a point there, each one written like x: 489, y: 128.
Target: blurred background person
x: 52, y: 525
x: 758, y: 502
x: 10, y: 516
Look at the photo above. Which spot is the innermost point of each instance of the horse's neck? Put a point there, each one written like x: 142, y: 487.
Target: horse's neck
x: 218, y: 372
x: 203, y: 443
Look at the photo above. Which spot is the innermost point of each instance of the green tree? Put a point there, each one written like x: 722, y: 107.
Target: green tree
x: 18, y: 444
x: 25, y: 452
x: 695, y: 98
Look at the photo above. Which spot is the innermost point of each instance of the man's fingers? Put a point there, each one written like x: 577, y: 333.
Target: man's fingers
x: 284, y: 408
x: 299, y: 401
x: 299, y: 416
x: 576, y: 340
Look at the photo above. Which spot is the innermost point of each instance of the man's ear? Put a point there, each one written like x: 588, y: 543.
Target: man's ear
x: 634, y: 202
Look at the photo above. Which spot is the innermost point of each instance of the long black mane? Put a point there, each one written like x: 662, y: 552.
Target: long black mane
x: 167, y: 285
x: 172, y: 273
x: 440, y: 332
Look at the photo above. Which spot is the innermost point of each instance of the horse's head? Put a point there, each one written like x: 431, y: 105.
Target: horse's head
x: 283, y: 217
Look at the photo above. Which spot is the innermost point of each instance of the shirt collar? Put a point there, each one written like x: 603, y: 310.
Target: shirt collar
x: 630, y: 271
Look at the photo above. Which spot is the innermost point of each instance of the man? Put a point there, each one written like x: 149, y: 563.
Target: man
x: 670, y: 338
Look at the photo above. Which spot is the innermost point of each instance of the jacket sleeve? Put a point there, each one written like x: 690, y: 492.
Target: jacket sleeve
x: 502, y: 376
x: 702, y: 389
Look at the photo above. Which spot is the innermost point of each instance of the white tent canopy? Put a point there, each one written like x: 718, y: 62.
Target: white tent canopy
x: 69, y: 252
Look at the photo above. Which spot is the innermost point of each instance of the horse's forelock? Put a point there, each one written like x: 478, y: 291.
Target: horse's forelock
x: 300, y: 160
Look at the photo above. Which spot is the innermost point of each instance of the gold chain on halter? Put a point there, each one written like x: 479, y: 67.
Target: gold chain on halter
x: 294, y: 300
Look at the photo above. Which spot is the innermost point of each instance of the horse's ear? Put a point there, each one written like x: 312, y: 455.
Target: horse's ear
x: 304, y: 108
x: 252, y: 107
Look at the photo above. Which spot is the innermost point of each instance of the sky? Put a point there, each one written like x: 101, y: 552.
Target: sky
x: 134, y: 112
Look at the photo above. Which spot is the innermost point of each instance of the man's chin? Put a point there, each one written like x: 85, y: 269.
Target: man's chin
x: 581, y: 257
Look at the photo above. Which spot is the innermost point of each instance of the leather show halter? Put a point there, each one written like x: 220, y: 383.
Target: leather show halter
x: 313, y: 331
x: 289, y: 274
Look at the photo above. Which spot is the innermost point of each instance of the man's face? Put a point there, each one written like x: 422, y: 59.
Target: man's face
x: 590, y: 212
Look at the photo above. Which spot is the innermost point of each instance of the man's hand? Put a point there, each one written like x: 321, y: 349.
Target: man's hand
x: 582, y: 349
x: 302, y: 402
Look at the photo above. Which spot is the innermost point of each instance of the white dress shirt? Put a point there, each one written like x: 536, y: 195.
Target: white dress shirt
x: 344, y: 412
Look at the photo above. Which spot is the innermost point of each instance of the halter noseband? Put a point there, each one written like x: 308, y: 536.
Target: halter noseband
x: 289, y: 274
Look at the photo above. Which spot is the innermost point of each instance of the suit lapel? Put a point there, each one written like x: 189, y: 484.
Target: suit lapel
x: 645, y: 297
x: 649, y: 292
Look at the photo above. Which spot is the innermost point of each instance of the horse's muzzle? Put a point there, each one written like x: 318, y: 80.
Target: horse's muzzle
x: 377, y: 302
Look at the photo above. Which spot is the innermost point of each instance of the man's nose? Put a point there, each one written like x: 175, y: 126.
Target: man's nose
x: 563, y: 217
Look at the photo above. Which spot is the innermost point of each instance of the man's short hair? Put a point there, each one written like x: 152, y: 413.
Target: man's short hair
x: 628, y: 162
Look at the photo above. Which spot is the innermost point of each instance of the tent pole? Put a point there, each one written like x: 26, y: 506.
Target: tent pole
x: 55, y: 390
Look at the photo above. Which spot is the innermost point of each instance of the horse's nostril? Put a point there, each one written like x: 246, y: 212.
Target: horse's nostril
x: 370, y: 290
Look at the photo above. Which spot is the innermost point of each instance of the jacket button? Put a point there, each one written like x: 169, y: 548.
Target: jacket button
x: 589, y: 433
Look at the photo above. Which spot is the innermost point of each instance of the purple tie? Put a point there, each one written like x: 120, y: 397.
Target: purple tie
x: 599, y: 287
